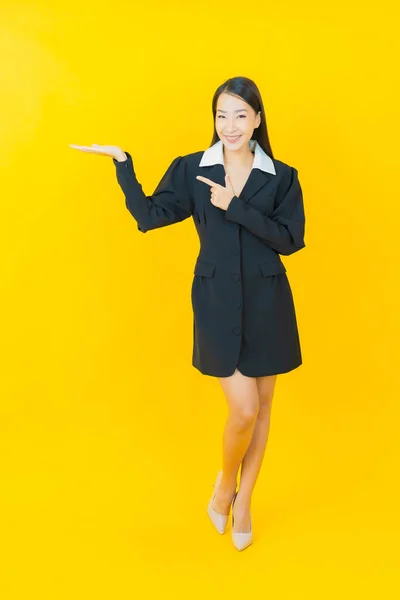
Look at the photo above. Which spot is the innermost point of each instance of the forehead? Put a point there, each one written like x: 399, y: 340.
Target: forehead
x: 229, y: 103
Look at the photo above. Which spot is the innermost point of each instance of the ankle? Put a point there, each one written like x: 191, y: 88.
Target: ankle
x: 228, y: 480
x: 243, y: 498
x: 228, y: 487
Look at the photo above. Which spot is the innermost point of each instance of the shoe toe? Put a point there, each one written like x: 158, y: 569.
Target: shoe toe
x: 242, y: 540
x: 219, y: 521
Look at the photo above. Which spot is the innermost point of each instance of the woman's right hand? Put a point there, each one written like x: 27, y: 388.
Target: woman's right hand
x: 113, y: 151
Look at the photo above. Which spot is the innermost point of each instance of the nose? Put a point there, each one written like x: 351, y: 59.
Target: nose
x: 230, y: 125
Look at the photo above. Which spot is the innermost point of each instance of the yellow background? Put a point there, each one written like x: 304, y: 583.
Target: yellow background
x: 110, y: 439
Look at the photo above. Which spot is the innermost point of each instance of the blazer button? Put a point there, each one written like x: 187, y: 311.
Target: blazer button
x: 235, y: 276
x: 238, y: 305
x: 237, y: 330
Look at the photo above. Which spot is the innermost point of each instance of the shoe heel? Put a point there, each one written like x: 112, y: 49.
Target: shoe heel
x: 241, y: 540
x: 218, y: 520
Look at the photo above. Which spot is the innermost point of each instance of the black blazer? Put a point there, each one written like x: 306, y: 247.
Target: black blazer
x: 238, y: 266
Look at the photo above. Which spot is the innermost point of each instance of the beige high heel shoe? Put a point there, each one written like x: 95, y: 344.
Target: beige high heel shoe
x: 242, y: 539
x: 218, y: 520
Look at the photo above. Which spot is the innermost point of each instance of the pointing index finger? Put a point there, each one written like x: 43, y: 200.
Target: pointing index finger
x: 206, y: 180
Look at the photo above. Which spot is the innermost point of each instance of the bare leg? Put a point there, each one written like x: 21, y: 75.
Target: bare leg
x: 254, y: 456
x: 242, y: 396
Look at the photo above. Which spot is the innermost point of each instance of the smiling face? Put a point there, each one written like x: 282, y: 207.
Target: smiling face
x: 235, y: 121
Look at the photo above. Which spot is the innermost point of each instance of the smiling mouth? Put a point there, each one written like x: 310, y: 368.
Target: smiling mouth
x: 233, y: 138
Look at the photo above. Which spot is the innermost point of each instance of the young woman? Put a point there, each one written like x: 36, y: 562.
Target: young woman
x: 248, y: 210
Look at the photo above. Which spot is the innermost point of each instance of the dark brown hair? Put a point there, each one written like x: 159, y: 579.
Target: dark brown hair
x: 246, y: 89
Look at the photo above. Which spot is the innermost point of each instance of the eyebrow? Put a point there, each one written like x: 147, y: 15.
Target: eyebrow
x: 239, y: 110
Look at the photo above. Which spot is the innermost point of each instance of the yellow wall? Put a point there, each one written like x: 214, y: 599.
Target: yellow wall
x: 110, y: 439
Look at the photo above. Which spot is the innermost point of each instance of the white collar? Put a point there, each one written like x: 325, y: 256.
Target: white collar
x: 214, y: 155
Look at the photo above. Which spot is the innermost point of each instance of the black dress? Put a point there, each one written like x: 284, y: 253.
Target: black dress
x: 243, y: 310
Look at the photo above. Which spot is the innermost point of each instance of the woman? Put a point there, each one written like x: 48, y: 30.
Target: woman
x: 248, y: 209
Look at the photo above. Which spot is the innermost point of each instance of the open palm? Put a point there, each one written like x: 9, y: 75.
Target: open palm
x: 113, y: 151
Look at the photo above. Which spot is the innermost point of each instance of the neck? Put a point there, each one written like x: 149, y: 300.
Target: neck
x: 238, y: 158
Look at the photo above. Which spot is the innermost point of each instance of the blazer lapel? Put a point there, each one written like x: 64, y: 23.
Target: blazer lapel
x: 214, y: 172
x: 213, y: 161
x: 256, y: 180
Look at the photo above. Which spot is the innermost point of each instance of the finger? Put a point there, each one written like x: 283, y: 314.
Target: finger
x: 206, y: 180
x: 84, y: 147
x: 91, y: 150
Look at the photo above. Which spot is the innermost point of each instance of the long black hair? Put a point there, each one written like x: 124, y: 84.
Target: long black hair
x: 246, y: 89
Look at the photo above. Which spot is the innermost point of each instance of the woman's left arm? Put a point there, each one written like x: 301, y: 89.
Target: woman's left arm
x: 283, y: 229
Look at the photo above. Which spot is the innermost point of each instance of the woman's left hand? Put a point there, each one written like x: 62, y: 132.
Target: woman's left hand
x: 220, y: 196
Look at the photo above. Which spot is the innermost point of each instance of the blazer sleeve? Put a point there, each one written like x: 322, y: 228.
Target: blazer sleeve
x: 170, y: 202
x: 283, y: 229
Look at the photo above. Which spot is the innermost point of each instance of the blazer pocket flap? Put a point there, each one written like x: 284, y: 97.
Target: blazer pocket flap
x: 273, y: 267
x: 204, y: 267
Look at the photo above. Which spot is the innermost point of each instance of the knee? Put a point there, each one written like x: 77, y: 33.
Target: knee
x: 245, y: 416
x: 265, y: 401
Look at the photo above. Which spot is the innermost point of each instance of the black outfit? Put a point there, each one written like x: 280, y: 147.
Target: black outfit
x: 243, y: 310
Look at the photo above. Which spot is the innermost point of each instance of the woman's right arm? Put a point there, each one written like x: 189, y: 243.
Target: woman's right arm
x: 171, y: 202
